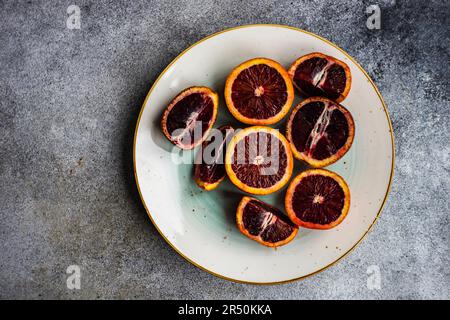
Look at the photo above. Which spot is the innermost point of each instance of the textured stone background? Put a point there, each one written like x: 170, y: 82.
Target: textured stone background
x: 69, y: 100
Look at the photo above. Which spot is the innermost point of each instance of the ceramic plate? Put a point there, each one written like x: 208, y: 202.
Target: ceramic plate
x: 200, y: 225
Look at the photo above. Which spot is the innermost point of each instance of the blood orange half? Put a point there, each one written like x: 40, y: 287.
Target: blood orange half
x: 209, y: 167
x: 190, y: 116
x: 259, y: 160
x: 317, y: 74
x: 320, y: 131
x: 317, y: 199
x: 259, y: 91
x: 264, y: 223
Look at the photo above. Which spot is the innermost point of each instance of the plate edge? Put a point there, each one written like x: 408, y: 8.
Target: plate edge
x: 391, y: 132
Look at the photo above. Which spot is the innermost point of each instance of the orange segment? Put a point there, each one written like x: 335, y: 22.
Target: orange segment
x: 320, y: 131
x: 317, y: 199
x: 317, y: 74
x: 259, y: 160
x: 263, y: 223
x: 209, y: 167
x: 190, y: 116
x: 259, y: 91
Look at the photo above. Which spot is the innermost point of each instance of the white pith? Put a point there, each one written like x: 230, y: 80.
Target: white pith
x: 269, y: 219
x: 318, y: 199
x: 320, y: 127
x: 259, y: 91
x: 320, y: 78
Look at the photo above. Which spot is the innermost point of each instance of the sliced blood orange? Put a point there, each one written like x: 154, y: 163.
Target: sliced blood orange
x: 264, y: 223
x: 317, y: 199
x: 259, y: 160
x: 317, y: 74
x: 190, y: 116
x: 320, y: 131
x: 259, y: 91
x: 209, y: 167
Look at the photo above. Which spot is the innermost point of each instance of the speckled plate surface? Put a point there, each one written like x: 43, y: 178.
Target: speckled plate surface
x: 200, y: 225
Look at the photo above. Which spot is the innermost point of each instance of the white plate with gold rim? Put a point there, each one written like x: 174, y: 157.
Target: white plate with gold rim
x: 200, y: 225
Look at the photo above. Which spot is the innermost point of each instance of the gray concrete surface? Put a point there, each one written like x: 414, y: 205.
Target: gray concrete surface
x: 69, y: 100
